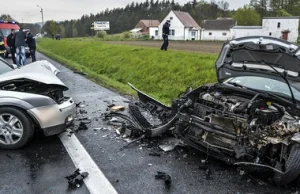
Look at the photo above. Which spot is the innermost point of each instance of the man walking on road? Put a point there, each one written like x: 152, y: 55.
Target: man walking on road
x: 11, y: 43
x: 20, y: 45
x: 166, y: 31
x: 31, y: 44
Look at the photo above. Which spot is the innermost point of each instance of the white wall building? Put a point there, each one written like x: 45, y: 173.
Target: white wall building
x: 218, y: 29
x: 183, y: 27
x: 278, y: 27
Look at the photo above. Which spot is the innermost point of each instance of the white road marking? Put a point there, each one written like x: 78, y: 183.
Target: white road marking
x: 96, y: 182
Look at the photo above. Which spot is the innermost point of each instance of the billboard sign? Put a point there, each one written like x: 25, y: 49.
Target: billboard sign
x: 101, y: 25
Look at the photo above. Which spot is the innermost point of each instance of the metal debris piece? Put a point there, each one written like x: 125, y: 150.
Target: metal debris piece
x: 81, y: 106
x: 164, y: 176
x: 82, y: 126
x: 82, y: 111
x: 167, y: 148
x: 117, y: 108
x: 9, y: 156
x: 70, y: 132
x: 154, y: 154
x: 75, y: 180
x: 149, y: 164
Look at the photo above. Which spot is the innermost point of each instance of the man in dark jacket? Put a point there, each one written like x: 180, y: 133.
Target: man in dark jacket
x: 31, y: 44
x: 11, y: 43
x: 20, y: 45
x: 166, y: 32
x: 2, y: 47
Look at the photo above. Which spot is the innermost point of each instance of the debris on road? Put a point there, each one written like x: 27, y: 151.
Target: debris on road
x: 117, y: 108
x: 75, y: 180
x: 70, y: 132
x: 82, y: 126
x: 154, y: 154
x: 9, y: 156
x: 164, y: 176
x: 167, y: 148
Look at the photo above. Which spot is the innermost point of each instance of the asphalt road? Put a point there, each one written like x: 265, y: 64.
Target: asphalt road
x: 42, y: 166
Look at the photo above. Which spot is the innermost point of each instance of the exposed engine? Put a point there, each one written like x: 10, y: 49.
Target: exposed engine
x: 53, y: 91
x: 250, y: 128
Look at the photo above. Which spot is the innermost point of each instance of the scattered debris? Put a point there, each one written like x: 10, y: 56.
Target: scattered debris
x: 164, y: 176
x: 78, y: 104
x: 149, y: 164
x: 80, y: 73
x: 82, y: 111
x: 75, y: 180
x: 117, y: 180
x: 167, y: 148
x: 117, y: 108
x: 70, y: 132
x: 82, y: 126
x: 81, y: 106
x: 85, y: 121
x: 154, y: 154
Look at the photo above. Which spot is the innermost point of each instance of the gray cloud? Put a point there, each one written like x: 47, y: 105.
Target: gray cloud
x: 59, y: 10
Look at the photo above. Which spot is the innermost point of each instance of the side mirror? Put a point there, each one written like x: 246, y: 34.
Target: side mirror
x: 14, y: 66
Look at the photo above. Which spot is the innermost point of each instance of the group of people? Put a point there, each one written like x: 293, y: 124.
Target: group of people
x: 17, y: 41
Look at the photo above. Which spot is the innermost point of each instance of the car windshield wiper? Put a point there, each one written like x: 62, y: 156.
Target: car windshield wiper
x: 283, y: 77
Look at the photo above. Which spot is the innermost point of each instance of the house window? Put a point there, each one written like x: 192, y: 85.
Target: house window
x: 156, y: 32
x: 210, y: 33
x: 171, y: 18
x: 193, y: 33
x: 278, y: 25
x: 270, y: 34
x: 172, y: 32
x: 224, y: 33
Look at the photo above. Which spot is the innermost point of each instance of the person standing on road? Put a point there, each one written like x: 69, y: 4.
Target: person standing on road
x: 30, y: 40
x: 11, y: 43
x: 20, y: 44
x: 165, y: 34
x: 2, y: 47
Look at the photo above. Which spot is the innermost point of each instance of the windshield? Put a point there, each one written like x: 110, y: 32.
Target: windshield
x: 5, y: 32
x: 4, y: 67
x: 266, y: 84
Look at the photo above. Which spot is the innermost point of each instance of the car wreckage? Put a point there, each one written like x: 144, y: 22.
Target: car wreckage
x: 31, y: 97
x: 250, y: 118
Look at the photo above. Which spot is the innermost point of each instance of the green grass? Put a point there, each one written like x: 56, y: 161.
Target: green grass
x: 161, y: 74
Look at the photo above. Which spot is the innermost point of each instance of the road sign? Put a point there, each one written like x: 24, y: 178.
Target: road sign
x: 101, y: 25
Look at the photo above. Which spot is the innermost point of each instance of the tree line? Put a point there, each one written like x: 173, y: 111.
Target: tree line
x: 124, y: 19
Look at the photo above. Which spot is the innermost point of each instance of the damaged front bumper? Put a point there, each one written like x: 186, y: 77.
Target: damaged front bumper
x: 55, y: 118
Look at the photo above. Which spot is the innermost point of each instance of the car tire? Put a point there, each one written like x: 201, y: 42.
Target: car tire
x: 292, y: 167
x: 21, y: 121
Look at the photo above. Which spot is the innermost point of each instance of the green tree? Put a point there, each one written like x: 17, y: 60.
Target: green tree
x: 6, y: 17
x: 282, y: 12
x: 247, y: 16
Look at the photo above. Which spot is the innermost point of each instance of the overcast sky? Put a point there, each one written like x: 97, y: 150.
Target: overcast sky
x: 59, y: 10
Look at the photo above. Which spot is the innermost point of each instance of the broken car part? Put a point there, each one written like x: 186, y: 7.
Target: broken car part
x: 164, y: 176
x: 75, y: 180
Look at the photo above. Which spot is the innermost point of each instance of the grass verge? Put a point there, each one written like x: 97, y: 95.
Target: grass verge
x: 161, y: 74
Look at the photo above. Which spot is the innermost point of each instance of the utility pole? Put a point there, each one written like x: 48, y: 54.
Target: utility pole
x: 42, y: 12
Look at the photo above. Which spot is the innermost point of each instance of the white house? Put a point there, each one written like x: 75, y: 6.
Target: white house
x: 218, y: 29
x: 183, y: 27
x: 279, y: 27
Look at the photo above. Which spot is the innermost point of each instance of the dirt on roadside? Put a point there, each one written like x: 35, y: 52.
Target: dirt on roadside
x: 193, y: 46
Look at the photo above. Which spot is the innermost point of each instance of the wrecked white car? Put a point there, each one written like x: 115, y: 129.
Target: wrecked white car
x: 31, y: 97
x: 249, y: 118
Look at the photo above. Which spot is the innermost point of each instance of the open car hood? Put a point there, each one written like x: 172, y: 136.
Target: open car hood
x: 249, y: 56
x: 35, y: 72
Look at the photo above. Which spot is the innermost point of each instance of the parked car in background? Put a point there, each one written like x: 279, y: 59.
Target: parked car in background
x: 32, y: 98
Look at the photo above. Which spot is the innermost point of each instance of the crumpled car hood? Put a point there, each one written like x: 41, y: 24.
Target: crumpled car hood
x: 37, y: 71
x: 249, y: 56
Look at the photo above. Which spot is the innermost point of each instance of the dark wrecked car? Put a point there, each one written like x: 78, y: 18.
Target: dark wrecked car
x: 249, y: 118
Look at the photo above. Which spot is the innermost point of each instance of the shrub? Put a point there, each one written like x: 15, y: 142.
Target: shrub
x: 101, y: 34
x: 126, y: 35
